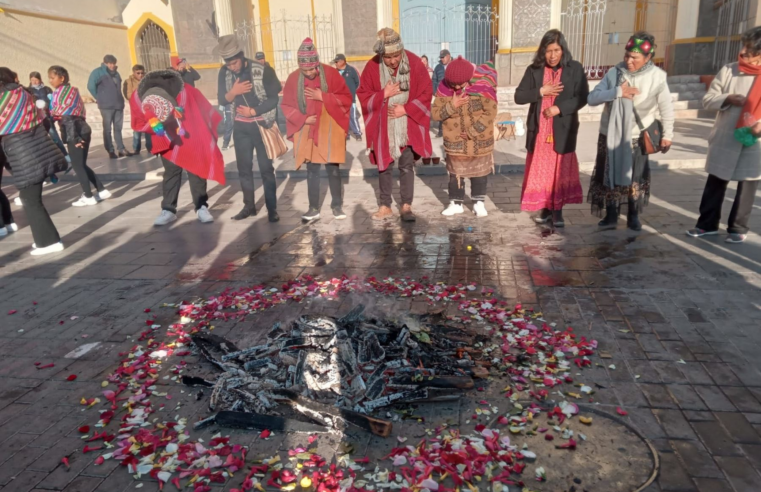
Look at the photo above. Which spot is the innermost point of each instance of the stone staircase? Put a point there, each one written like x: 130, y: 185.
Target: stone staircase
x: 687, y: 92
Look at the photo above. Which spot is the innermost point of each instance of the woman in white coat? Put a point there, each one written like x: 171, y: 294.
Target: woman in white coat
x: 736, y: 94
x: 634, y: 92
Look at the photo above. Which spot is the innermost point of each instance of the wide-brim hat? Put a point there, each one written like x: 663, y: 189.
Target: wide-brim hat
x: 228, y: 46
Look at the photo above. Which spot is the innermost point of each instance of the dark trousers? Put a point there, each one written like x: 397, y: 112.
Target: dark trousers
x: 334, y: 183
x: 112, y: 118
x: 6, y: 217
x: 136, y: 136
x: 43, y: 230
x: 247, y: 139
x: 227, y: 126
x: 713, y: 198
x: 406, y: 163
x: 85, y: 175
x: 477, y: 188
x: 171, y: 187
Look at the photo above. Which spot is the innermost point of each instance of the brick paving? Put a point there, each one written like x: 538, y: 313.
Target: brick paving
x: 679, y: 318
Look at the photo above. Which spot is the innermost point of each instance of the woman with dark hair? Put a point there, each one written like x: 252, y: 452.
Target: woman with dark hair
x: 32, y: 156
x: 556, y: 87
x: 633, y: 92
x: 734, y: 152
x: 42, y: 94
x: 68, y: 109
x: 424, y: 59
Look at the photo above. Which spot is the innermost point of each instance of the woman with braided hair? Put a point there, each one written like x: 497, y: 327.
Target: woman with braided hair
x: 633, y: 92
x: 316, y: 104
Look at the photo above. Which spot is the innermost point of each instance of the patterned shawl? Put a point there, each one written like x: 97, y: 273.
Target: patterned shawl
x: 65, y: 101
x: 18, y: 112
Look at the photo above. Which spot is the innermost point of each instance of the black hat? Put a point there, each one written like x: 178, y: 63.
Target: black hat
x: 339, y: 56
x: 259, y: 55
x: 444, y: 53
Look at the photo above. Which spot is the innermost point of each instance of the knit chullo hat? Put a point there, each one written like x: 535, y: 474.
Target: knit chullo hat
x: 389, y: 42
x: 159, y: 109
x: 459, y: 71
x: 307, y: 55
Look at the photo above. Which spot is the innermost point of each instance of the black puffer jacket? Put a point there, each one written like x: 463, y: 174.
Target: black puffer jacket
x: 33, y: 156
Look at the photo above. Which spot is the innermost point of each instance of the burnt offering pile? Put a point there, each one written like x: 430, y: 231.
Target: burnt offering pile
x: 338, y: 371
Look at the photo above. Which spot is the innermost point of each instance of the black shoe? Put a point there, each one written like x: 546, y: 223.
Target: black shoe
x: 633, y: 223
x: 274, y: 217
x: 338, y: 213
x: 244, y: 214
x: 225, y: 147
x: 112, y: 155
x: 557, y: 218
x: 611, y: 218
x: 312, y: 214
x: 125, y: 153
x: 544, y: 216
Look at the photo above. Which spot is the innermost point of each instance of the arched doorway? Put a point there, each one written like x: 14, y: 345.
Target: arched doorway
x: 152, y: 46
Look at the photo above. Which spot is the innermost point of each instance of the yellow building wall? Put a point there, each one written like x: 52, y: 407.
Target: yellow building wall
x: 34, y: 43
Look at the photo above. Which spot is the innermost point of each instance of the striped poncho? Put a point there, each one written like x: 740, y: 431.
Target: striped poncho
x: 17, y: 110
x: 65, y: 101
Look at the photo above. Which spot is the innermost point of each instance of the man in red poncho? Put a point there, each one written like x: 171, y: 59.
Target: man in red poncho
x: 395, y: 93
x: 316, y: 105
x: 183, y: 127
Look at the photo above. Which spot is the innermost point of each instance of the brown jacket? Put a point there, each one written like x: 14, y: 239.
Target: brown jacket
x: 129, y: 86
x: 472, y: 157
x: 475, y: 118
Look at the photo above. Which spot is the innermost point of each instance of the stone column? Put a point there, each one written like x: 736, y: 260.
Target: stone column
x: 223, y: 14
x: 338, y: 26
x: 385, y: 13
x: 505, y: 39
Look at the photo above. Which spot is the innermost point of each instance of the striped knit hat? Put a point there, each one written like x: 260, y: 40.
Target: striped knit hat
x: 389, y: 42
x: 307, y: 55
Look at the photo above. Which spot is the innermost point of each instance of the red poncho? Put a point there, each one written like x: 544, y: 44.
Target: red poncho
x: 197, y: 152
x: 375, y: 111
x: 337, y: 102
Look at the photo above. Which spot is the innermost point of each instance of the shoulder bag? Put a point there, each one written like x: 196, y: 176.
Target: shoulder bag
x: 650, y: 137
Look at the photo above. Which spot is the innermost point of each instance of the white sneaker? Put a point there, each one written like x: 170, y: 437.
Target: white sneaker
x: 53, y: 248
x: 203, y: 215
x: 12, y: 227
x: 453, y: 209
x: 480, y: 209
x: 17, y: 201
x: 103, y: 195
x: 84, y: 201
x: 164, y: 218
x: 3, y: 231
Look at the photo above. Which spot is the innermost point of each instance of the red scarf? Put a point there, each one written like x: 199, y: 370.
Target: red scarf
x: 751, y: 112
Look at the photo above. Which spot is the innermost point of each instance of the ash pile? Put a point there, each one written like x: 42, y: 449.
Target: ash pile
x: 337, y: 372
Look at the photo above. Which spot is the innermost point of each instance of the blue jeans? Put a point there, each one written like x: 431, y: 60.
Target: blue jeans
x: 136, y: 141
x: 227, y: 127
x: 354, y: 120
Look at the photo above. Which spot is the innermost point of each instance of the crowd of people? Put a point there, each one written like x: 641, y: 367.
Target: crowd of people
x: 399, y: 95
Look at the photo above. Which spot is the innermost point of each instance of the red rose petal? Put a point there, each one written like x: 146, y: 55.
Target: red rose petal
x: 84, y: 429
x: 71, y: 377
x: 621, y: 411
x: 265, y: 434
x: 12, y: 311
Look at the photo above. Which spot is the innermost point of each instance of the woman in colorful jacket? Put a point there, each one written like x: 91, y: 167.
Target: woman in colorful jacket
x: 32, y: 156
x: 467, y: 106
x: 67, y: 108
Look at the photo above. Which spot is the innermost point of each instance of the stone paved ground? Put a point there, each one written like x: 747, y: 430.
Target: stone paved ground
x: 652, y: 299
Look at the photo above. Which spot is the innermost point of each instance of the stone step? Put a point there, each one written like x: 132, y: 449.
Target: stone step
x: 683, y: 79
